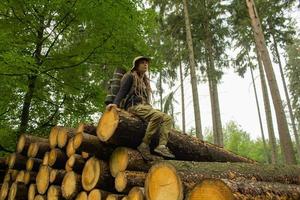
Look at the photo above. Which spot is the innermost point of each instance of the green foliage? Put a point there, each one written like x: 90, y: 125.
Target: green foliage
x: 238, y: 141
x: 72, y: 47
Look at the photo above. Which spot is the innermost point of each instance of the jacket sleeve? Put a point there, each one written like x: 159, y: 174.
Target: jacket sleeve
x: 125, y: 87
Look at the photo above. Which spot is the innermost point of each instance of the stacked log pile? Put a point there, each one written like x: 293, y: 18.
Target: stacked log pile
x: 102, y: 162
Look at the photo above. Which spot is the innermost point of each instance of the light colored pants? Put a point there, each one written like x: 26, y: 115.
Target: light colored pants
x: 157, y: 121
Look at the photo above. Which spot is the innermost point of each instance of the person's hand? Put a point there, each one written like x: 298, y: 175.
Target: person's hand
x: 110, y: 106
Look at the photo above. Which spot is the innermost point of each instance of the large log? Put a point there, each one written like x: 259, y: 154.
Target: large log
x: 42, y: 179
x: 122, y: 128
x: 54, y: 193
x: 32, y: 191
x: 64, y: 134
x: 24, y: 142
x: 17, y: 191
x: 57, y: 176
x: 126, y: 180
x: 96, y: 174
x: 38, y: 149
x: 71, y: 186
x: 17, y: 161
x: 243, y: 189
x: 84, y: 142
x: 33, y: 164
x: 57, y: 158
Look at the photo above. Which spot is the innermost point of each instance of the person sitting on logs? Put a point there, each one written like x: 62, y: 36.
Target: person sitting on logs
x: 134, y: 96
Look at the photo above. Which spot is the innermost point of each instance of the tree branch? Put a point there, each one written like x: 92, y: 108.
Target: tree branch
x: 79, y: 63
x: 6, y: 74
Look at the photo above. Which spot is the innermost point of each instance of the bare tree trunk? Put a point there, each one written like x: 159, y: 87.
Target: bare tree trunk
x: 287, y: 97
x: 182, y: 97
x: 285, y: 138
x: 192, y: 71
x: 259, y: 117
x: 272, y: 139
x: 160, y: 92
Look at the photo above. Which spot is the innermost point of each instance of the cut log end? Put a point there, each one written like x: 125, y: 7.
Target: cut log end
x: 31, y: 191
x: 163, y: 183
x: 70, y: 185
x: 21, y: 143
x: 46, y: 159
x: 90, y: 174
x: 136, y: 193
x: 29, y: 164
x: 120, y: 182
x: 40, y: 197
x: 12, y: 160
x: 54, y: 193
x: 95, y: 194
x: 114, y: 197
x: 4, y: 190
x: 53, y: 136
x: 62, y: 137
x: 42, y: 179
x: 20, y: 176
x: 26, y: 178
x: 82, y: 196
x: 77, y: 140
x: 52, y: 157
x: 70, y: 148
x: 211, y: 189
x: 118, y: 161
x: 107, y: 124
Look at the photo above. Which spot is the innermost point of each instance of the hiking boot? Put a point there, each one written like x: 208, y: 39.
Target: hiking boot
x: 144, y: 149
x: 164, y: 151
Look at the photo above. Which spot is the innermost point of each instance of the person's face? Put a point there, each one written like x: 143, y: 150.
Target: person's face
x: 142, y: 66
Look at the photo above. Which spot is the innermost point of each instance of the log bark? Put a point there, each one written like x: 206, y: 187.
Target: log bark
x: 33, y: 164
x: 30, y: 177
x: 75, y: 163
x: 64, y: 135
x: 17, y: 191
x: 17, y: 161
x: 38, y: 149
x: 82, y: 196
x: 84, y: 142
x: 54, y: 193
x: 96, y: 174
x: 42, y: 179
x: 3, y: 163
x: 57, y: 158
x: 32, y: 191
x: 57, y: 176
x: 24, y: 142
x: 71, y: 185
x: 124, y: 129
x: 127, y: 159
x: 126, y: 180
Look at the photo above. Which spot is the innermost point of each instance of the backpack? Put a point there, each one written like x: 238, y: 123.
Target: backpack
x: 114, y: 85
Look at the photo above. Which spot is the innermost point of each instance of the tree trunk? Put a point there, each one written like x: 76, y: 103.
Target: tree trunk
x: 64, y: 135
x: 287, y: 97
x: 38, y: 149
x: 17, y: 161
x: 182, y: 97
x: 192, y: 71
x: 127, y: 130
x: 272, y: 139
x: 267, y: 157
x: 285, y: 138
x: 24, y: 142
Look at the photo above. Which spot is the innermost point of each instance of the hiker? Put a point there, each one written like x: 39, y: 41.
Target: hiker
x: 134, y: 96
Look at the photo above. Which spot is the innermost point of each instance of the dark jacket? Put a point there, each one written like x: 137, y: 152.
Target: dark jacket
x: 127, y: 92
